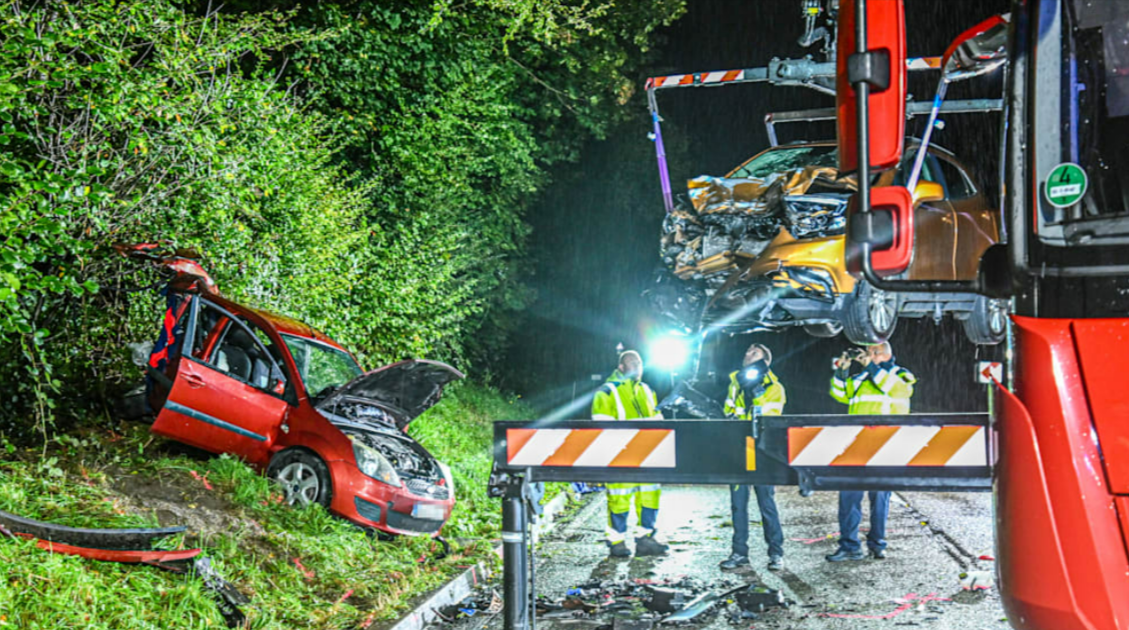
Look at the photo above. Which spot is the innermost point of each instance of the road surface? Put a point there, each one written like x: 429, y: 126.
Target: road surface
x: 933, y: 538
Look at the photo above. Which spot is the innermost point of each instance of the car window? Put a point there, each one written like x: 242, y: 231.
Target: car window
x: 784, y: 159
x: 321, y: 367
x: 957, y: 182
x: 235, y: 347
x: 929, y: 169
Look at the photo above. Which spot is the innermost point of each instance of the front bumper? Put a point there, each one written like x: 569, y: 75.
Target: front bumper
x: 370, y: 503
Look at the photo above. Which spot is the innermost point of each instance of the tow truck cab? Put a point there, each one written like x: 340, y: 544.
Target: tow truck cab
x: 1061, y: 470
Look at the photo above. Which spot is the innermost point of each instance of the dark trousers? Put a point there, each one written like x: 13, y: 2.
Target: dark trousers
x: 770, y: 519
x: 850, y: 515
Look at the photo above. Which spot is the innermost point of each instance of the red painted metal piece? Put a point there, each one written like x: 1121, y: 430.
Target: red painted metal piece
x: 886, y: 29
x: 115, y: 555
x: 1062, y: 557
x: 1103, y: 348
x: 979, y: 29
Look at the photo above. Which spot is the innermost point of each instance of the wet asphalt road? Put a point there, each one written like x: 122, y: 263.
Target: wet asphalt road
x: 932, y: 539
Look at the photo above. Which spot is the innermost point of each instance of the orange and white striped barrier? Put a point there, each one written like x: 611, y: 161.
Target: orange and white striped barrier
x: 611, y: 448
x: 888, y: 446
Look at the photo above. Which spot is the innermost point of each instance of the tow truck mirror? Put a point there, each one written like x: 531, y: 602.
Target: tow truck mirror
x: 926, y: 192
x: 888, y: 228
x: 883, y: 68
x: 977, y: 51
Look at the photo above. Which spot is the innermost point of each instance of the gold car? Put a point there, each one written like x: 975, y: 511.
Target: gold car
x: 763, y: 248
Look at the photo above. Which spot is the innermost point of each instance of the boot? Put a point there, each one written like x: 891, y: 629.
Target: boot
x: 648, y: 546
x: 618, y: 550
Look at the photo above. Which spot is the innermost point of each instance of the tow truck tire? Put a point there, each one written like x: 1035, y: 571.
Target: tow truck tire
x: 303, y: 477
x: 825, y: 330
x: 870, y: 315
x: 986, y: 325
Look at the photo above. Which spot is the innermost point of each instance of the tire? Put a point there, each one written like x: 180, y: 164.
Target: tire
x: 986, y: 325
x: 304, y: 478
x: 870, y: 315
x: 825, y: 330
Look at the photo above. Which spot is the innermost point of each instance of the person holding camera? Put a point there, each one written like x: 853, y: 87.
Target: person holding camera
x: 881, y: 387
x: 755, y: 389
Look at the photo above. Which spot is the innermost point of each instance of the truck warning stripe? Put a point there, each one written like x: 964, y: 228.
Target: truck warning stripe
x: 887, y: 446
x: 616, y: 448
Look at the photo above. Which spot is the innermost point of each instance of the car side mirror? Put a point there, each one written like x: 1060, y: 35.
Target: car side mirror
x: 887, y: 228
x: 926, y: 192
x: 883, y: 68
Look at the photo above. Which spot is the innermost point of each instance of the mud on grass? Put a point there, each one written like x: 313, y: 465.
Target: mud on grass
x: 301, y: 568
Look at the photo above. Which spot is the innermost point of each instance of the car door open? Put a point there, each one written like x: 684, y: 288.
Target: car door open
x: 228, y: 392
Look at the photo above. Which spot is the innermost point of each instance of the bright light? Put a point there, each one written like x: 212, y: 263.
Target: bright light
x: 670, y: 352
x: 752, y: 374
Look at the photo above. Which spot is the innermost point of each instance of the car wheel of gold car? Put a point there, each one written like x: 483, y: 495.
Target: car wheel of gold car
x: 824, y: 330
x: 870, y: 315
x: 987, y: 323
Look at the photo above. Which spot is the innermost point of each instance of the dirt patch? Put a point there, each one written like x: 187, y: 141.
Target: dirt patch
x: 184, y: 502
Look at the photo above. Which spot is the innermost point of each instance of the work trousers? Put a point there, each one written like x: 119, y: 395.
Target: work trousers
x: 619, y: 506
x: 770, y: 519
x: 850, y: 515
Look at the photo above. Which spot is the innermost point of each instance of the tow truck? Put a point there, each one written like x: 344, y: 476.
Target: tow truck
x: 1055, y: 449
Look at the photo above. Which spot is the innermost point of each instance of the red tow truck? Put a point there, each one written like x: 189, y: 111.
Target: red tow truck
x: 1061, y: 448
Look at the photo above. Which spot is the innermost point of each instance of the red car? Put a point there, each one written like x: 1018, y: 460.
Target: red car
x: 288, y: 399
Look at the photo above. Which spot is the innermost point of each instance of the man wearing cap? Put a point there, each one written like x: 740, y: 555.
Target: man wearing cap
x: 753, y: 390
x: 626, y: 397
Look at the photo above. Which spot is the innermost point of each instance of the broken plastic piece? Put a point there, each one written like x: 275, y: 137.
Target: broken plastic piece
x: 977, y: 580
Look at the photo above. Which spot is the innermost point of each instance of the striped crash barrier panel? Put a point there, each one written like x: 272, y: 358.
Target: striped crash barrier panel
x: 946, y: 452
x: 761, y: 75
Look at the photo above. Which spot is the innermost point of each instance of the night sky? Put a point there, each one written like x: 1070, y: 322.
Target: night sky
x: 596, y: 229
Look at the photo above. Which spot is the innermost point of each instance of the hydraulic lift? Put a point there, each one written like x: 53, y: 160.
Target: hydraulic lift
x: 922, y: 452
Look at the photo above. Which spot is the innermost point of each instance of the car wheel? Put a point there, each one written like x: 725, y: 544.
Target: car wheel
x: 825, y: 330
x: 870, y: 315
x: 986, y: 325
x: 304, y: 478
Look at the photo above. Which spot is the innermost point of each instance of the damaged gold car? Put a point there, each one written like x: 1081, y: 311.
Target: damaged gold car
x: 763, y: 249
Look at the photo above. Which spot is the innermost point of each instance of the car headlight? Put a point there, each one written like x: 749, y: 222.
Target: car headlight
x: 816, y: 216
x: 375, y: 465
x: 448, y: 476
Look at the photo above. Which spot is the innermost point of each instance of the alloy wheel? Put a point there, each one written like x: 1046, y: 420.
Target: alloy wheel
x: 882, y: 309
x: 299, y: 483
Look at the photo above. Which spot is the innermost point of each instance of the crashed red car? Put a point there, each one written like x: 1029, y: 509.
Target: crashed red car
x: 289, y: 400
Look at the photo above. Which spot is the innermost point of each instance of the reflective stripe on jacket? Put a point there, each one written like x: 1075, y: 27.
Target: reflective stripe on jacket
x: 771, y: 401
x: 885, y: 392
x: 622, y: 398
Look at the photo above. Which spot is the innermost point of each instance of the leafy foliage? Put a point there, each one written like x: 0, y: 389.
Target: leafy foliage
x: 362, y: 166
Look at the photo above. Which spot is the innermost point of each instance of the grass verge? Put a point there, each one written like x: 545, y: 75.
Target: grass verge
x: 301, y: 568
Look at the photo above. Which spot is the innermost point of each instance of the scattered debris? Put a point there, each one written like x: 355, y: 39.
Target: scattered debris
x: 906, y: 603
x: 482, y: 601
x: 977, y: 580
x: 131, y: 545
x: 759, y: 599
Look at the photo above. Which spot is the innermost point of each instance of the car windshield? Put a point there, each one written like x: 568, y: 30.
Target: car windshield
x: 322, y: 368
x: 784, y: 159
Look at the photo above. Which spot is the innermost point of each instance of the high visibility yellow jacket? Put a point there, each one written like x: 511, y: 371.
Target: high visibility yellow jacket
x: 622, y: 398
x: 771, y: 401
x: 879, y: 390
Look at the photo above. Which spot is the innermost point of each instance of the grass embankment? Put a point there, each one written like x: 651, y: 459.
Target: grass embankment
x: 301, y: 568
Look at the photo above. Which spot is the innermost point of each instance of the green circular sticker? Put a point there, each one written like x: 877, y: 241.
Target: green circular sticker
x: 1066, y: 185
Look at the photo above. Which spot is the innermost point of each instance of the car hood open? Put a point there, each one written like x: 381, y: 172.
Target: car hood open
x: 407, y: 388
